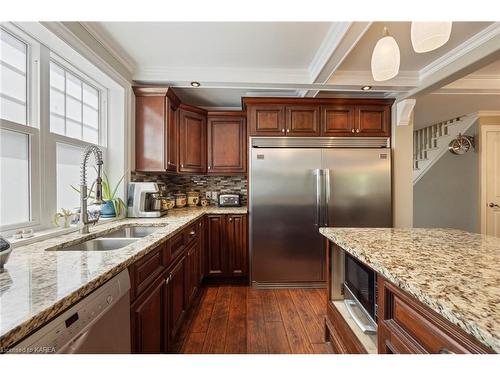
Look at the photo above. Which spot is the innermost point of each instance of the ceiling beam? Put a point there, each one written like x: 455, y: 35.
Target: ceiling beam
x: 339, y: 42
x: 473, y: 54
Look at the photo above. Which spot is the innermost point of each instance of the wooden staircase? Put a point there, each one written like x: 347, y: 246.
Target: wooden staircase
x: 431, y: 143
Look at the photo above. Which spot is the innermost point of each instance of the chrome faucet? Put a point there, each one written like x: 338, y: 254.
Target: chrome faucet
x: 84, y: 215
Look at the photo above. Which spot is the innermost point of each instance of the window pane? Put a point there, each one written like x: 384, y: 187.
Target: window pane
x: 13, y: 94
x: 73, y: 109
x: 73, y: 86
x: 73, y: 103
x: 90, y: 96
x: 14, y: 184
x: 68, y: 173
x: 56, y: 102
x: 73, y: 129
x: 56, y: 77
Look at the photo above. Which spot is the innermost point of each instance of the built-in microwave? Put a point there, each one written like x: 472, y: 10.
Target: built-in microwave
x: 360, y: 294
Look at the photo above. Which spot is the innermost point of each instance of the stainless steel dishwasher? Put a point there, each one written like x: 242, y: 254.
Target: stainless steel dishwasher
x: 98, y: 324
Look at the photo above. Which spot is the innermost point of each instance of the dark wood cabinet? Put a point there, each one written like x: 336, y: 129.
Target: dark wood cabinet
x: 226, y: 246
x: 302, y: 121
x: 266, y: 120
x: 193, y: 265
x: 337, y: 121
x: 177, y: 302
x: 156, y: 124
x: 148, y: 319
x: 326, y: 117
x: 407, y: 326
x: 226, y: 142
x: 192, y: 140
x: 373, y: 121
x: 236, y: 245
x: 215, y: 245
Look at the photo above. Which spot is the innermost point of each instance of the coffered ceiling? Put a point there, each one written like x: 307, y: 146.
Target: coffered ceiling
x: 235, y: 59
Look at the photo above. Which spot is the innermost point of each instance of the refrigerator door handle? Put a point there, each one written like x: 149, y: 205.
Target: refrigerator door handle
x: 317, y: 174
x: 326, y: 187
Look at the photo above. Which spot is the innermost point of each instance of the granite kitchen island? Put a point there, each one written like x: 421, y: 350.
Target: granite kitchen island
x: 451, y: 274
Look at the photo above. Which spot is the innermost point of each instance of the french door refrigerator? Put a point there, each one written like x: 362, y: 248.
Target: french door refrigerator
x: 296, y: 186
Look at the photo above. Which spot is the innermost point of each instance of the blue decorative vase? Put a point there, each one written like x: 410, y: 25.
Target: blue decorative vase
x: 108, y: 210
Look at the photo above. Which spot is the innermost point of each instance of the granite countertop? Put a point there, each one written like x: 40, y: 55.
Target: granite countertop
x: 38, y: 284
x: 455, y: 273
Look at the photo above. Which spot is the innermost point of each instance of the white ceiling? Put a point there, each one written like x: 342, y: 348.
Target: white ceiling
x: 235, y: 59
x: 285, y: 45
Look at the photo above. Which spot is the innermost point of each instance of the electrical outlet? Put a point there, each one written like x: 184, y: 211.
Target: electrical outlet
x: 208, y: 194
x: 214, y: 195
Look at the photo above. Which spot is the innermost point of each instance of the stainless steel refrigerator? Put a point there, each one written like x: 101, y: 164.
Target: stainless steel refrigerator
x: 297, y: 185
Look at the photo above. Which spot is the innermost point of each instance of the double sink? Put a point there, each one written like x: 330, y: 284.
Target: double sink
x: 113, y: 240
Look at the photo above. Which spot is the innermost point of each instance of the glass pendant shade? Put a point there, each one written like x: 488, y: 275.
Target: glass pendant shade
x: 385, y: 59
x: 427, y: 36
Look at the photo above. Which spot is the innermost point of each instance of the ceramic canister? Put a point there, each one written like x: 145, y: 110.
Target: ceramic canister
x: 180, y: 199
x: 193, y: 198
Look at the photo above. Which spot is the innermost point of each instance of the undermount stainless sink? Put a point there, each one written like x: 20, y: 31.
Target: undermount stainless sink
x: 100, y: 244
x: 131, y: 232
x: 114, y: 240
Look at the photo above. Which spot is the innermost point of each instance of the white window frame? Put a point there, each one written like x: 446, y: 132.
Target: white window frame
x: 42, y: 143
x: 31, y: 128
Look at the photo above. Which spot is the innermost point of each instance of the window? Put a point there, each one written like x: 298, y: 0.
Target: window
x: 74, y: 106
x: 68, y: 159
x: 13, y: 78
x: 15, y: 178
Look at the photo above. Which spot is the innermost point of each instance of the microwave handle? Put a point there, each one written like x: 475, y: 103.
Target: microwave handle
x: 365, y: 328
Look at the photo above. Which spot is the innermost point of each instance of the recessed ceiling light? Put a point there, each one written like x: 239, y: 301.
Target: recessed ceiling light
x: 195, y: 84
x: 366, y: 88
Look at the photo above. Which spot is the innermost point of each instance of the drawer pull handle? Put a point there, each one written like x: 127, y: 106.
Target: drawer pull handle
x: 445, y: 351
x: 365, y: 328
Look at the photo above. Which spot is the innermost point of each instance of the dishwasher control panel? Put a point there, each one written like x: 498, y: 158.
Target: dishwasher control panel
x: 70, y: 325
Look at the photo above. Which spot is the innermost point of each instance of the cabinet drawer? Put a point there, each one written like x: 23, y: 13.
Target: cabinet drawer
x: 146, y: 270
x: 192, y: 232
x: 176, y: 245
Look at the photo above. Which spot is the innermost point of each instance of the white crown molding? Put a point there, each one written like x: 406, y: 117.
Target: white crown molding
x: 110, y: 45
x: 364, y: 77
x: 461, y: 50
x: 334, y: 36
x: 220, y: 74
x: 476, y: 81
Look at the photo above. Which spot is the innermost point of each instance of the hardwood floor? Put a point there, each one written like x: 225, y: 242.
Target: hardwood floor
x: 239, y: 319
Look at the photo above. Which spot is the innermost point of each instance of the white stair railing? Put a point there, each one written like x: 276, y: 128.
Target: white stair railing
x: 431, y: 143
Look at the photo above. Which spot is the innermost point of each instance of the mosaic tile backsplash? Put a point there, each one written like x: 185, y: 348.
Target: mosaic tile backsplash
x: 201, y: 183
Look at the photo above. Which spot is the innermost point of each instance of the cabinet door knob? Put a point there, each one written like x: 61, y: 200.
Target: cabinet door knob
x: 192, y: 233
x: 357, y: 130
x: 352, y: 130
x: 209, y: 167
x: 230, y: 219
x: 493, y: 205
x: 282, y: 130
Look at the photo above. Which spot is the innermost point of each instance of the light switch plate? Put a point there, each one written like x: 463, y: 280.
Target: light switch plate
x: 214, y: 195
x: 208, y: 194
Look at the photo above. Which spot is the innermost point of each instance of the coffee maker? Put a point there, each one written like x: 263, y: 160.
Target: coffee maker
x: 144, y: 199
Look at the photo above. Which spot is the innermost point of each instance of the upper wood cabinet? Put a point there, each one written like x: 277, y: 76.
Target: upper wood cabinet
x: 373, y: 120
x: 266, y: 119
x: 337, y: 121
x: 335, y: 117
x: 302, y: 121
x: 156, y: 123
x: 227, y: 141
x: 192, y: 140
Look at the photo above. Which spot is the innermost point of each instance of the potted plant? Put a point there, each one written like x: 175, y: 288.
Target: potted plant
x: 113, y: 205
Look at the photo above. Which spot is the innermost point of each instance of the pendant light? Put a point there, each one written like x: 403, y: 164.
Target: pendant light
x: 385, y: 58
x: 427, y: 36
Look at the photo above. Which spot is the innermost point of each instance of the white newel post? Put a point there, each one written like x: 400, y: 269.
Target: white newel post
x: 402, y: 163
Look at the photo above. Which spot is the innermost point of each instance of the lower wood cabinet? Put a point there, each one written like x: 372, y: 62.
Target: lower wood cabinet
x: 148, y: 319
x: 166, y: 282
x: 226, y: 246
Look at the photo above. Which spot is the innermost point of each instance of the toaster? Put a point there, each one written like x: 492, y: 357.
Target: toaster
x: 229, y: 200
